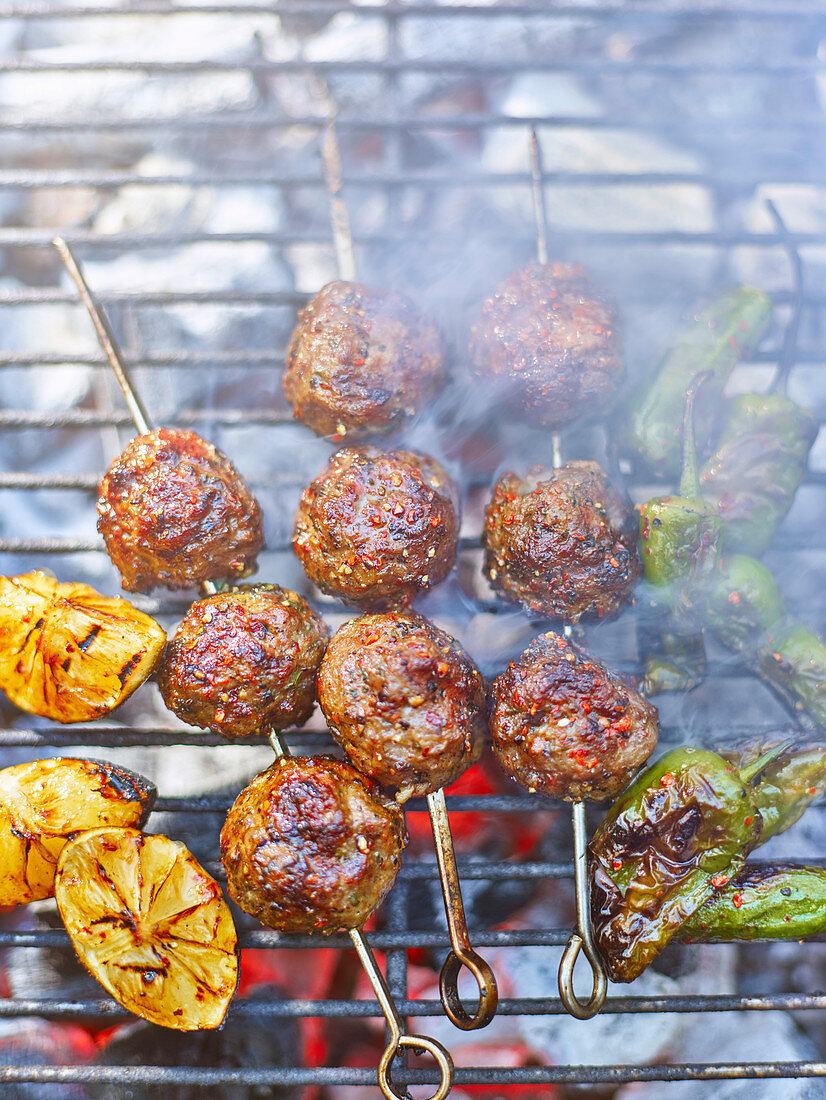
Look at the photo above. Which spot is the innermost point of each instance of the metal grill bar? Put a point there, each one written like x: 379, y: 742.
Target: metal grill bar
x: 508, y: 1006
x: 520, y: 1075
x: 400, y: 10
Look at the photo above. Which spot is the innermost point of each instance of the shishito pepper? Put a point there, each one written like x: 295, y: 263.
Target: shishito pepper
x: 680, y: 535
x: 721, y: 334
x: 680, y: 832
x: 674, y: 660
x: 787, y: 785
x: 775, y: 902
x: 757, y: 468
x: 746, y: 609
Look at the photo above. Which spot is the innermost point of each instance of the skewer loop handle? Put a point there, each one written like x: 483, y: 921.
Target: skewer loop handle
x: 421, y: 1043
x: 581, y: 1010
x: 449, y: 990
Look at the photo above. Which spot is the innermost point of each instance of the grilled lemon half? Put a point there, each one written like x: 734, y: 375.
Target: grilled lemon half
x: 68, y: 653
x: 150, y: 924
x: 46, y: 803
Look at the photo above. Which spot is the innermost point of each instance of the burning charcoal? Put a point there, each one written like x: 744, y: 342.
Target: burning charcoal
x: 248, y: 1040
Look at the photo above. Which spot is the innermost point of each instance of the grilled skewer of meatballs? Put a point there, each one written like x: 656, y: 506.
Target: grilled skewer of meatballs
x: 562, y: 542
x: 361, y: 361
x: 547, y: 340
x: 565, y: 725
x: 174, y: 511
x: 311, y: 845
x: 375, y: 528
x: 404, y: 701
x: 244, y: 662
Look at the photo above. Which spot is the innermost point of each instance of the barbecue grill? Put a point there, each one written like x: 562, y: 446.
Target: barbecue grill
x: 665, y: 127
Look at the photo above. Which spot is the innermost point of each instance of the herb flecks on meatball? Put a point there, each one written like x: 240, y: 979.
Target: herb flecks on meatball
x: 548, y: 342
x: 404, y: 701
x: 361, y: 361
x: 311, y: 846
x: 244, y: 662
x: 375, y: 528
x: 565, y: 725
x: 562, y: 542
x: 173, y: 511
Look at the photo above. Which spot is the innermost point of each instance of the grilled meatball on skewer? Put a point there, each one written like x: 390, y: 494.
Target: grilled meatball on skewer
x: 375, y: 528
x: 312, y: 845
x: 361, y: 361
x: 548, y: 343
x: 404, y: 701
x: 562, y: 542
x: 409, y: 707
x: 174, y: 511
x: 244, y: 662
x: 565, y: 725
x: 172, y: 508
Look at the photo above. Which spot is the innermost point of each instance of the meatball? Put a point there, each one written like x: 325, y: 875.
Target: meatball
x: 562, y: 542
x: 404, y: 701
x: 549, y: 342
x: 244, y: 662
x: 377, y: 527
x: 361, y: 360
x: 311, y: 845
x: 174, y: 511
x: 565, y: 725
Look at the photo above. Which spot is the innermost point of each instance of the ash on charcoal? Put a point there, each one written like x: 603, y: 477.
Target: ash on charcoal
x: 246, y: 1041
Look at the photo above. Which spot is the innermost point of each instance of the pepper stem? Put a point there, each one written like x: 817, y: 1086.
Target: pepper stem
x: 690, y: 474
x: 751, y: 771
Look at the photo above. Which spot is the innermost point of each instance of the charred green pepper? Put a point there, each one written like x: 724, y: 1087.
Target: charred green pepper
x: 775, y: 902
x: 757, y: 468
x: 721, y: 334
x: 786, y: 785
x: 745, y: 608
x: 673, y: 659
x: 680, y: 832
x: 680, y: 535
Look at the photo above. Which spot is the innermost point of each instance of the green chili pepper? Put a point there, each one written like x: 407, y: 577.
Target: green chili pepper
x: 741, y: 602
x: 787, y: 785
x: 757, y: 468
x: 793, y: 660
x: 745, y: 608
x: 674, y: 660
x: 721, y: 334
x: 680, y: 535
x: 680, y: 832
x: 776, y: 902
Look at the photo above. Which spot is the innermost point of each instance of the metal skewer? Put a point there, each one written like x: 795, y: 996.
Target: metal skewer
x: 580, y: 940
x: 398, y: 1037
x: 461, y: 951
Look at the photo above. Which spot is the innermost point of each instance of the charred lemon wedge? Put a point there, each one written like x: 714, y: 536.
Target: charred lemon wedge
x: 150, y: 924
x: 68, y: 653
x: 46, y: 803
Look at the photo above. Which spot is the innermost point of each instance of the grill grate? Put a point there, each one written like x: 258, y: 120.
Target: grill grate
x: 413, y: 140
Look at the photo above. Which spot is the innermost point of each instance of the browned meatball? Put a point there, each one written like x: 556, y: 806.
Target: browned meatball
x: 311, y: 846
x: 549, y: 342
x: 565, y: 725
x: 174, y: 511
x: 361, y: 360
x: 244, y: 662
x: 377, y: 527
x: 404, y: 701
x: 562, y: 542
